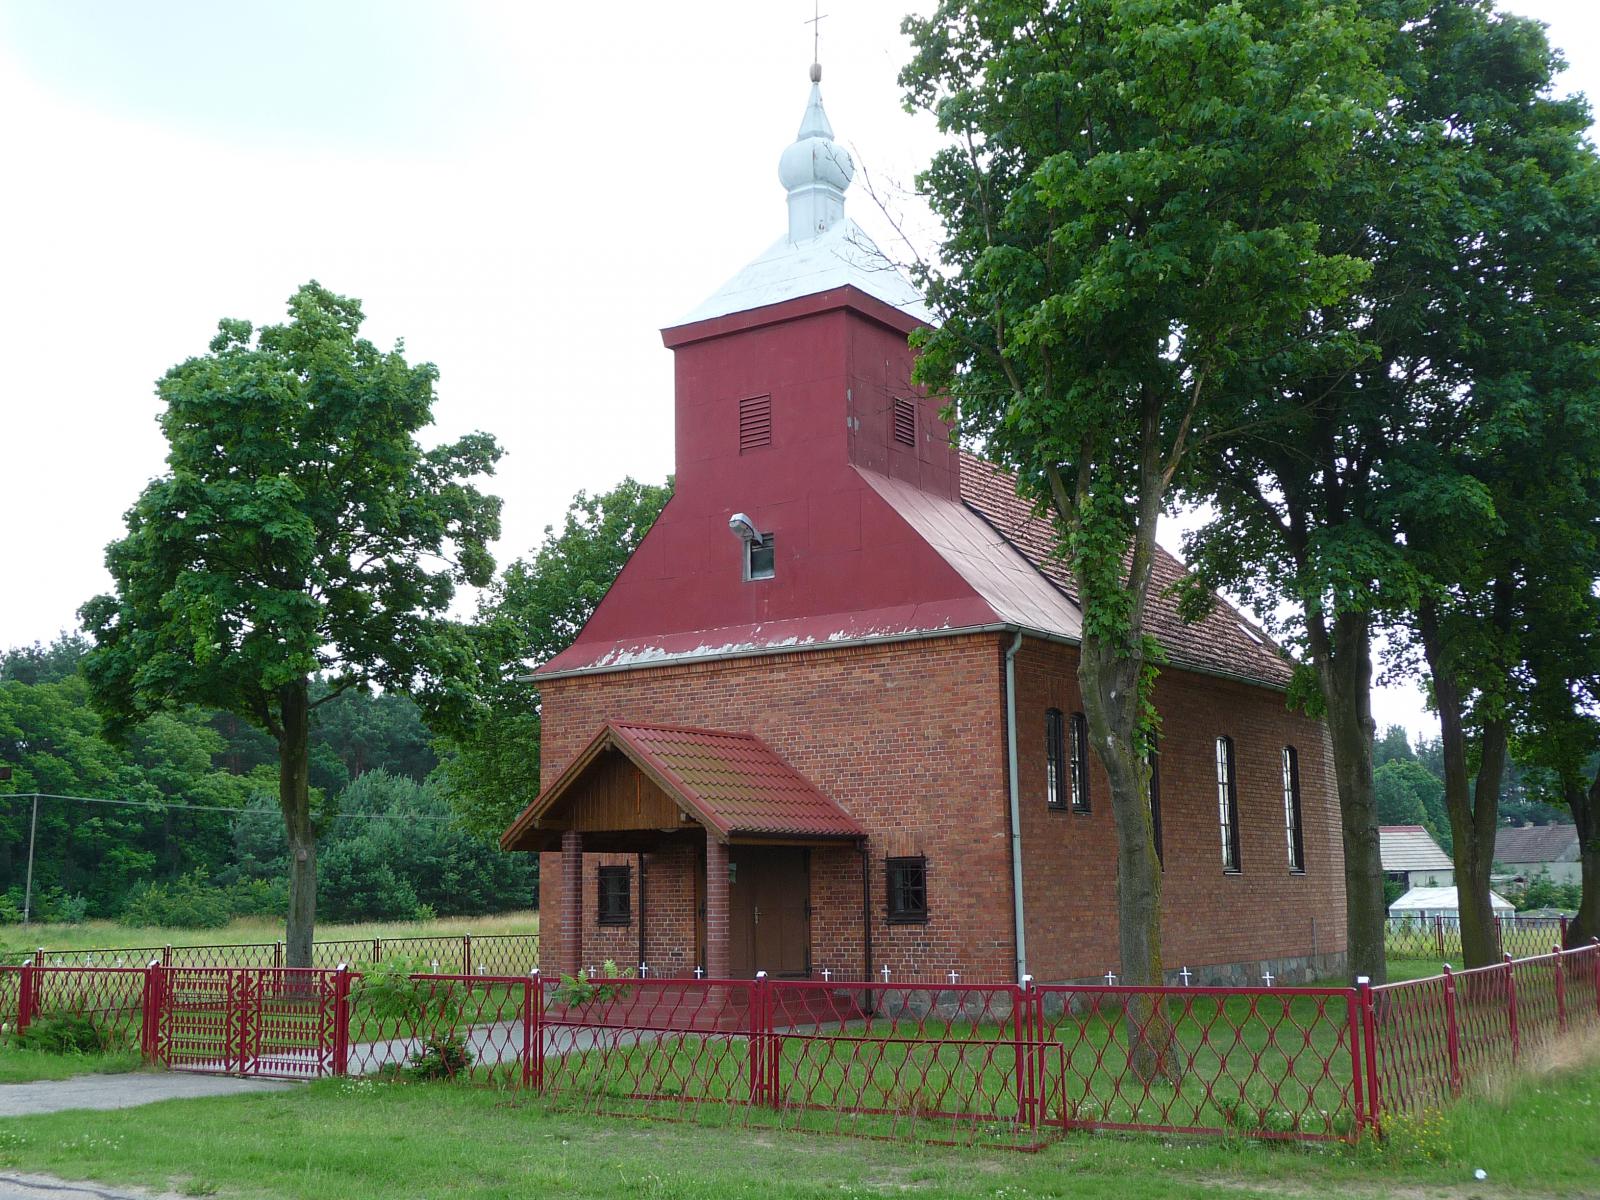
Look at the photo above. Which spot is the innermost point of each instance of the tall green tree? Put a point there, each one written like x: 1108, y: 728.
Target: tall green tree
x: 1130, y: 204
x: 1338, y: 467
x: 300, y: 531
x: 533, y: 611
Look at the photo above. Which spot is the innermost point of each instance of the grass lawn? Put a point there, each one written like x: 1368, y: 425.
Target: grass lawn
x: 345, y: 1138
x: 25, y: 1066
x: 97, y: 935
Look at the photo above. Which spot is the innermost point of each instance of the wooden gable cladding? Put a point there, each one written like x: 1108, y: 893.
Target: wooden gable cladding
x: 615, y: 795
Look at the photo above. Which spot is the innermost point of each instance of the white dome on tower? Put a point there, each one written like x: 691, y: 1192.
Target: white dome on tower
x: 815, y: 171
x: 823, y: 249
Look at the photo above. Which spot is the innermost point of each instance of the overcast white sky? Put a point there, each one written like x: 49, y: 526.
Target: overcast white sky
x: 525, y: 192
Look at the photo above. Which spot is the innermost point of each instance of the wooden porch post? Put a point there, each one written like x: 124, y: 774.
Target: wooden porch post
x: 571, y: 903
x: 716, y: 908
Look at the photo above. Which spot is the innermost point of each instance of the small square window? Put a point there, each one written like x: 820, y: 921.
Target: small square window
x: 616, y: 907
x: 759, y: 559
x: 908, y: 890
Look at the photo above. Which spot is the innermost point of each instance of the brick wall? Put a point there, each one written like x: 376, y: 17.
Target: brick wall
x: 906, y: 737
x: 1263, y: 913
x: 909, y: 739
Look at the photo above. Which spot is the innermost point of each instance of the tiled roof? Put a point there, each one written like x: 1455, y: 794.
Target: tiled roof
x: 732, y: 783
x: 1410, y: 848
x: 1224, y: 640
x: 1537, y: 844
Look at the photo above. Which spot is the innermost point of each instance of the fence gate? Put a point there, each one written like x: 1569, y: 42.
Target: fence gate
x: 247, y: 1021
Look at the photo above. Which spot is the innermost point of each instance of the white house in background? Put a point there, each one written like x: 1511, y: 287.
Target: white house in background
x: 1425, y: 903
x: 1411, y: 857
x: 1532, y: 849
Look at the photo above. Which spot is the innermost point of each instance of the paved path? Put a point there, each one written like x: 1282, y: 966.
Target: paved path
x: 121, y: 1091
x: 15, y: 1186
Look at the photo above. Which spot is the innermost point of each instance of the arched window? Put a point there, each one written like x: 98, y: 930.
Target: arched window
x: 1080, y: 763
x: 1228, y: 805
x: 1291, y: 809
x: 1055, y: 759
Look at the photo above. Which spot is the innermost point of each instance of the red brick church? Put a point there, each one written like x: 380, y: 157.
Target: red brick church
x: 827, y: 718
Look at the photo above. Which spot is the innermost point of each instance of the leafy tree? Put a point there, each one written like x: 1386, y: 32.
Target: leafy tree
x: 1393, y: 746
x: 44, y: 664
x: 1130, y: 209
x: 1339, y: 469
x: 1409, y: 794
x: 300, y: 531
x: 533, y: 612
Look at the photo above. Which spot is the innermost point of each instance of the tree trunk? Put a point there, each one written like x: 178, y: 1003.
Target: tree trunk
x: 1473, y: 811
x: 1109, y: 682
x: 1585, y: 805
x: 294, y: 797
x: 1343, y: 658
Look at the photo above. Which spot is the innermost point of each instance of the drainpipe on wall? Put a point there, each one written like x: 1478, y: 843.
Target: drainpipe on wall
x: 1016, y: 806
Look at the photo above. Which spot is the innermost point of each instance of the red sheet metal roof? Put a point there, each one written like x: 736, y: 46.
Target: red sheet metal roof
x: 732, y: 783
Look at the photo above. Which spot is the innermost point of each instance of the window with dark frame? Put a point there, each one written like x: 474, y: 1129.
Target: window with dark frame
x: 1228, y: 804
x: 1291, y: 809
x: 1055, y: 759
x: 1152, y: 755
x: 1079, y: 745
x: 908, y: 889
x: 760, y: 559
x: 616, y: 901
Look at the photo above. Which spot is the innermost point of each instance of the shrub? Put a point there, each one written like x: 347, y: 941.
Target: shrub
x: 443, y: 1056
x: 70, y: 1033
x: 186, y: 903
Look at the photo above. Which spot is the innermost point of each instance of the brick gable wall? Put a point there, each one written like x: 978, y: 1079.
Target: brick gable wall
x: 1263, y: 913
x: 909, y: 739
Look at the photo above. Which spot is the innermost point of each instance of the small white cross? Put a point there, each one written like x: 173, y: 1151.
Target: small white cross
x: 1111, y: 978
x: 886, y: 972
x: 436, y: 966
x: 699, y: 972
x: 1186, y: 975
x: 591, y: 972
x: 827, y: 974
x: 954, y: 976
x: 482, y: 970
x: 1268, y: 978
x: 643, y: 971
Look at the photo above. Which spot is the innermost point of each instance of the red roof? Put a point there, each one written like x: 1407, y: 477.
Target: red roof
x: 734, y: 784
x: 1223, y: 640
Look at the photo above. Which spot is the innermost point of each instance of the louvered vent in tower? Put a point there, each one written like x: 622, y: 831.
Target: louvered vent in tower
x: 905, y: 422
x: 755, y: 423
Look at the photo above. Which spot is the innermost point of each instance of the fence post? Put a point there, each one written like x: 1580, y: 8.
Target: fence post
x: 1438, y: 933
x: 758, y: 1025
x: 1358, y: 1075
x: 166, y: 956
x: 1021, y: 1028
x: 1511, y: 1009
x: 1563, y: 929
x: 341, y: 1020
x: 1369, y: 1045
x: 1452, y: 1032
x: 277, y: 956
x: 1561, y: 991
x: 537, y: 1044
x: 466, y: 954
x: 25, y: 996
x: 377, y: 950
x: 1594, y: 945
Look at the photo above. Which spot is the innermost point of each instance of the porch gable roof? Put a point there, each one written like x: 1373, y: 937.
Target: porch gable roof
x: 733, y: 784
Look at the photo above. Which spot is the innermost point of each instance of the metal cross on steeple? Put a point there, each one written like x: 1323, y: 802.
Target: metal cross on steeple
x: 815, y: 22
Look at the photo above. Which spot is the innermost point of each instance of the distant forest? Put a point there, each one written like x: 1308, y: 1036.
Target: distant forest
x: 392, y: 845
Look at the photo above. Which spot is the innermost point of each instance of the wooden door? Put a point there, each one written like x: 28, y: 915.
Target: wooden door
x: 769, y: 911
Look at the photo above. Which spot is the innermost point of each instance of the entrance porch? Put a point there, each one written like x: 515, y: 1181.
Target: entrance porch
x: 693, y: 852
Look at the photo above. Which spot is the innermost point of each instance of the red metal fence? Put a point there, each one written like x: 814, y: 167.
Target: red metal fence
x: 967, y: 1061
x: 1438, y: 939
x: 463, y: 953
